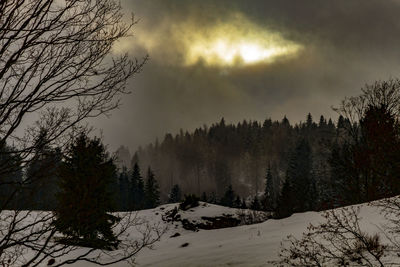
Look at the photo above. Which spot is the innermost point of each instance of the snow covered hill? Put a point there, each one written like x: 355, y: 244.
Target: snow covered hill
x: 243, y: 245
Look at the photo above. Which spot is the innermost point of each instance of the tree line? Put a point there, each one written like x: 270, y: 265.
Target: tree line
x: 273, y: 166
x: 127, y: 190
x: 288, y: 168
x: 254, y: 159
x: 223, y: 164
x: 365, y: 165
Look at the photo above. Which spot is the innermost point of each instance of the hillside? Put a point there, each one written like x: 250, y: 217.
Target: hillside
x: 245, y: 245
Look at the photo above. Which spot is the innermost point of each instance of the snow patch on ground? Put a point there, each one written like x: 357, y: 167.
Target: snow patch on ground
x: 245, y: 245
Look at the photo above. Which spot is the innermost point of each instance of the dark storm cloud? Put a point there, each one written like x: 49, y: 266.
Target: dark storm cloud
x: 345, y: 45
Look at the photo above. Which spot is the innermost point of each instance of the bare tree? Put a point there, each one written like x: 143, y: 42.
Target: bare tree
x: 340, y: 240
x: 56, y: 67
x: 380, y: 93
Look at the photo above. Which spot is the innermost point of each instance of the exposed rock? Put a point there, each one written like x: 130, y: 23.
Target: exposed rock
x: 175, y: 235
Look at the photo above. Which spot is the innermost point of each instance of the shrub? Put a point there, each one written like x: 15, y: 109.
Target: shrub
x: 190, y: 201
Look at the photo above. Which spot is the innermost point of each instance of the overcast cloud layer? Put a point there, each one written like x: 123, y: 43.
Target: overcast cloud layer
x: 345, y: 44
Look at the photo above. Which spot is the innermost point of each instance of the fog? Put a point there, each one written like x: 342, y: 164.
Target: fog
x: 344, y: 45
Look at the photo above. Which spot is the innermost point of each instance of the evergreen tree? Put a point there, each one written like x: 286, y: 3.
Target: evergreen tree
x: 243, y: 205
x: 204, y: 197
x: 299, y: 176
x: 331, y: 126
x: 238, y: 202
x: 367, y: 167
x: 175, y: 195
x: 41, y: 176
x: 267, y: 124
x: 309, y: 121
x: 84, y: 199
x: 341, y: 122
x: 229, y: 197
x: 255, y: 204
x: 345, y: 181
x: 285, y: 202
x: 222, y: 175
x: 285, y: 122
x: 377, y: 155
x: 151, y: 192
x: 137, y: 189
x: 10, y: 179
x: 124, y: 185
x: 213, y: 198
x: 269, y: 194
x: 322, y: 122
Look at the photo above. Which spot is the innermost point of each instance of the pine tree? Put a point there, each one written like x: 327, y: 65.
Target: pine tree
x: 204, y: 197
x: 213, y: 198
x: 137, y: 189
x: 285, y: 202
x: 175, y: 195
x: 151, y: 192
x: 10, y: 179
x: 341, y: 122
x: 299, y: 176
x: 309, y: 121
x: 243, y: 205
x: 322, y: 122
x: 285, y: 122
x: 84, y: 199
x: 377, y: 153
x: 345, y: 182
x: 229, y: 197
x: 255, y: 204
x: 269, y: 194
x: 237, y: 203
x: 123, y: 182
x: 41, y: 176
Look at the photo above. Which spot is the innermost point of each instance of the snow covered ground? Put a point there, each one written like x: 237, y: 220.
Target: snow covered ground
x: 245, y: 245
x: 248, y: 245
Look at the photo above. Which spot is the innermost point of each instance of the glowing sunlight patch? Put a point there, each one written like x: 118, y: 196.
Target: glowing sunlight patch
x: 238, y: 44
x: 225, y: 52
x: 234, y: 42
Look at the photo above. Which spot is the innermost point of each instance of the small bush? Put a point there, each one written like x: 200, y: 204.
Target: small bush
x: 190, y: 201
x: 184, y: 245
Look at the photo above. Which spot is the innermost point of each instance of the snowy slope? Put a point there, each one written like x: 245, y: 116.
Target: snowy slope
x: 249, y: 245
x: 246, y: 245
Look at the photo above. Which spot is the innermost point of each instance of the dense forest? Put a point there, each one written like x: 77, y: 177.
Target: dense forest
x: 212, y: 158
x: 205, y: 162
x: 277, y: 166
x: 273, y: 165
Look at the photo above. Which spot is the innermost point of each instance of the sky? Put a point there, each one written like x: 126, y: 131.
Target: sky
x: 248, y: 60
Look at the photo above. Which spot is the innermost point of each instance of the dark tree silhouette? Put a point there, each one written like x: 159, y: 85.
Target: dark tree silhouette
x: 285, y: 202
x: 124, y: 190
x: 137, y: 189
x: 269, y: 194
x: 367, y: 160
x: 229, y: 197
x: 255, y: 204
x: 55, y: 65
x: 84, y: 199
x: 175, y: 195
x: 378, y: 152
x: 299, y: 176
x: 151, y: 191
x: 371, y: 165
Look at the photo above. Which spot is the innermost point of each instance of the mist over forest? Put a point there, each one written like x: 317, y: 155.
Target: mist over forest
x: 210, y: 159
